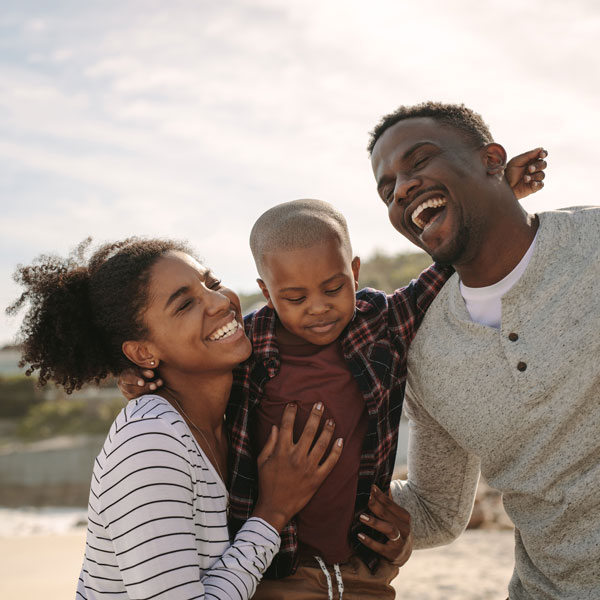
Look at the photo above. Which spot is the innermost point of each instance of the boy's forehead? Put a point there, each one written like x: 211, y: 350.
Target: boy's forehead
x: 312, y: 263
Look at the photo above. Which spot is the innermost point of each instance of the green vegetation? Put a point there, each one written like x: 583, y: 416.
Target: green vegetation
x: 388, y: 273
x: 34, y: 413
x: 66, y: 416
x: 18, y: 394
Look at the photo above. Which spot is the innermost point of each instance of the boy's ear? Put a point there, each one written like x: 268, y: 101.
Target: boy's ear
x: 140, y: 354
x: 355, y: 271
x: 494, y: 158
x: 265, y: 291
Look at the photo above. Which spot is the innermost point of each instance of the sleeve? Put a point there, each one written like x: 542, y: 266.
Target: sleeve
x: 147, y: 505
x: 442, y: 480
x: 409, y: 304
x: 239, y: 570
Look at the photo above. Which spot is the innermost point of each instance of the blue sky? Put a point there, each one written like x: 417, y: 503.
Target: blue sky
x: 188, y: 119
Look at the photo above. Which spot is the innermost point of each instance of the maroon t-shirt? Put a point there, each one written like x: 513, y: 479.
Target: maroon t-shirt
x: 309, y: 374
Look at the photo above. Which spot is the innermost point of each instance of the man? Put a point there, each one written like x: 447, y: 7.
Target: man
x: 503, y: 374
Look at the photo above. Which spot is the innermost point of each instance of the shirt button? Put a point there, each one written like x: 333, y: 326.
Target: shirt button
x: 513, y: 337
x: 522, y: 366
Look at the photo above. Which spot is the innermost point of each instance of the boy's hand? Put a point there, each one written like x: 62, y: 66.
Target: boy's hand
x: 134, y: 383
x: 391, y: 520
x: 525, y: 172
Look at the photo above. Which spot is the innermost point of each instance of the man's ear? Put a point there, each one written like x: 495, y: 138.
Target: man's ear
x: 265, y: 291
x: 356, y: 271
x: 140, y: 354
x: 494, y: 158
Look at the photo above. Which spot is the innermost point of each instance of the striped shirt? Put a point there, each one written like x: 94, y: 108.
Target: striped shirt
x: 375, y: 345
x: 157, y: 517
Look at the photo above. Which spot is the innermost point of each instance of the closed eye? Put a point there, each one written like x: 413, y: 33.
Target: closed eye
x: 295, y: 300
x: 215, y: 285
x: 183, y: 306
x: 335, y: 291
x: 387, y: 196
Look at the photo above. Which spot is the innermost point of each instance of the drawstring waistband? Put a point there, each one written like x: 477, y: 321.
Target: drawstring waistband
x: 338, y: 577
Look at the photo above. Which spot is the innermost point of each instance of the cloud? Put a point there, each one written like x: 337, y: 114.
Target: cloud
x: 190, y: 118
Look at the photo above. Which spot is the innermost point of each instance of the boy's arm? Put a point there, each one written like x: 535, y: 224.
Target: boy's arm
x: 409, y: 304
x: 443, y: 477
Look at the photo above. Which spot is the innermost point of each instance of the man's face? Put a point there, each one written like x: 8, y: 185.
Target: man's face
x: 312, y: 290
x: 434, y: 183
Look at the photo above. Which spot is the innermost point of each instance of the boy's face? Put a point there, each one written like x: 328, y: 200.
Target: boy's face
x: 312, y: 290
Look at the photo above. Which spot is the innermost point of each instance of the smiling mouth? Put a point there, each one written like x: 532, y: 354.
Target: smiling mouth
x: 225, y: 331
x: 427, y: 212
x: 322, y: 327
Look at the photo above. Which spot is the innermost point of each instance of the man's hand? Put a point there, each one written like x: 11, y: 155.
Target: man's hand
x: 134, y: 383
x: 391, y: 520
x: 525, y: 172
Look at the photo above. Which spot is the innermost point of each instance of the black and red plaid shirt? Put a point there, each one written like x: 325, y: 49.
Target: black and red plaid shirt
x: 375, y: 345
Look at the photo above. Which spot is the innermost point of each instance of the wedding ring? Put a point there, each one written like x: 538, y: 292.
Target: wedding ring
x: 396, y: 538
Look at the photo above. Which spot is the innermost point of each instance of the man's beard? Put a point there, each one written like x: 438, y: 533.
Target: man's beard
x: 453, y: 254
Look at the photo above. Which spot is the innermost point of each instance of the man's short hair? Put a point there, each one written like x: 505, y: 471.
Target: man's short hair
x: 296, y: 225
x: 467, y: 121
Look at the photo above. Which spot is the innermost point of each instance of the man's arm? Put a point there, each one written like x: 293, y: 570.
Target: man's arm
x: 442, y: 480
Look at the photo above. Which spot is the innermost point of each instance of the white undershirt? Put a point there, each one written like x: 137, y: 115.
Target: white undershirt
x: 484, y: 304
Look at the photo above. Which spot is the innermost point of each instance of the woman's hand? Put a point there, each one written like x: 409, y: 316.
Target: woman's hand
x: 290, y: 473
x: 391, y: 520
x: 134, y: 383
x: 525, y: 172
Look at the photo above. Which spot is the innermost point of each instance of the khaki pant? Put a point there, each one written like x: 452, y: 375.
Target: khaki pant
x: 309, y: 582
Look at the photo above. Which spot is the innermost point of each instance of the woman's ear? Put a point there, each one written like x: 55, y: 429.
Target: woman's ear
x: 140, y: 354
x: 494, y: 157
x: 355, y: 271
x: 265, y: 291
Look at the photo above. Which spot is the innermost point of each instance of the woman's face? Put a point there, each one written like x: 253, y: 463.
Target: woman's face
x: 195, y: 323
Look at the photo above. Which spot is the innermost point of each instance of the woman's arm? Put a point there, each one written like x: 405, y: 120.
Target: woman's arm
x: 150, y: 488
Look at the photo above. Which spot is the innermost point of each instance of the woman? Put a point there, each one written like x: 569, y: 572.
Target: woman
x: 158, y: 503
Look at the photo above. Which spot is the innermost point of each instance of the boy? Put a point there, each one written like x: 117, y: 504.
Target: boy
x: 318, y: 340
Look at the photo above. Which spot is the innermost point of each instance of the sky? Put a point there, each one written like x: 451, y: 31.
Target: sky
x: 188, y: 119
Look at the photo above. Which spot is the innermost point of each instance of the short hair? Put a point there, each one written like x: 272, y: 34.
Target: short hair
x: 296, y: 225
x: 465, y: 120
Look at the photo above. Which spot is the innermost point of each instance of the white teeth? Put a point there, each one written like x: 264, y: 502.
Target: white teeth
x: 224, y: 331
x: 431, y: 203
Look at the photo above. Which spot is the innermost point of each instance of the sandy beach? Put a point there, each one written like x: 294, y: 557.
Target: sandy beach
x: 477, y: 566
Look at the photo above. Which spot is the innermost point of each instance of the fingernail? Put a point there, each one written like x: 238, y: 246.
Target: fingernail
x: 340, y: 442
x: 531, y: 169
x: 140, y: 382
x: 364, y: 518
x: 361, y: 536
x: 329, y: 423
x: 543, y: 153
x: 152, y: 386
x: 319, y: 406
x: 527, y: 178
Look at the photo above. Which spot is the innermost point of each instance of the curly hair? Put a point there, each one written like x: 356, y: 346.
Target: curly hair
x: 467, y: 121
x: 81, y: 311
